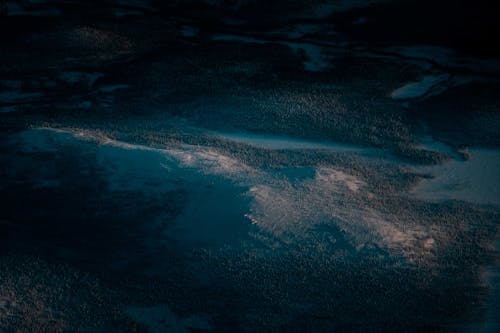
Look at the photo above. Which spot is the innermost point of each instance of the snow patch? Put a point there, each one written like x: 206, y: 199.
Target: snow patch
x: 475, y: 180
x: 429, y: 85
x: 315, y: 59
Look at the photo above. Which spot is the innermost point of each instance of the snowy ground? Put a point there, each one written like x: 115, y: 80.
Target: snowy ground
x: 172, y: 173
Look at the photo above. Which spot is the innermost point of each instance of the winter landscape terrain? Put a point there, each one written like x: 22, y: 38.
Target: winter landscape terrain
x: 249, y: 166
